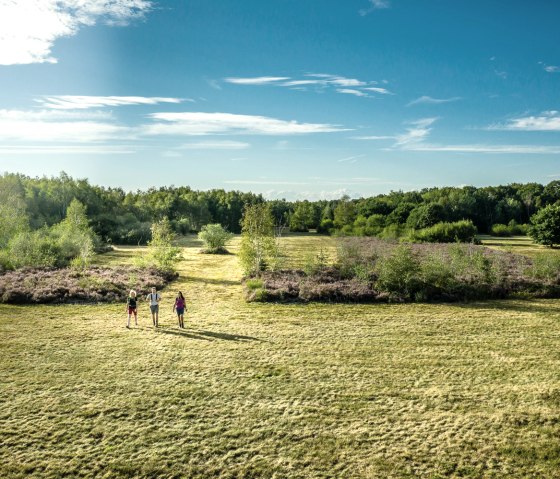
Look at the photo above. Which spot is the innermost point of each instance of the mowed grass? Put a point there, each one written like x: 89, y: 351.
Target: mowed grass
x: 279, y: 391
x: 517, y: 244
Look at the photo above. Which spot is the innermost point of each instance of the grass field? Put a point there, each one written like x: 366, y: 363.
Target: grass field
x: 279, y: 391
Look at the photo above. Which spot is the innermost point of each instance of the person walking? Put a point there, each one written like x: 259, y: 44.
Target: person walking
x: 179, y: 307
x: 154, y: 298
x: 131, y: 307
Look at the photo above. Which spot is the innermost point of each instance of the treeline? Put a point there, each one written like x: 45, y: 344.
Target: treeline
x: 117, y: 216
x: 433, y: 214
x: 428, y: 213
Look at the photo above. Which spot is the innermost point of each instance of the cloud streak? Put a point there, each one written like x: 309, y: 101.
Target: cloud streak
x: 198, y: 123
x: 29, y: 28
x: 317, y: 81
x: 546, y: 121
x: 428, y: 100
x: 76, y: 102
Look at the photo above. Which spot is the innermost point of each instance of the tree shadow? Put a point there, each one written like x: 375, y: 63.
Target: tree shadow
x: 225, y: 282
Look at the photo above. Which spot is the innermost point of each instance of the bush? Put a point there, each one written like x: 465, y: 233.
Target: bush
x: 398, y: 273
x: 326, y: 226
x: 461, y: 231
x: 215, y: 238
x: 500, y: 230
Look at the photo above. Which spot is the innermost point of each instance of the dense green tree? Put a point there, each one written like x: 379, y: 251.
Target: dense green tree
x: 545, y: 226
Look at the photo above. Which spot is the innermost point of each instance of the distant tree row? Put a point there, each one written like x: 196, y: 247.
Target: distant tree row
x: 430, y: 214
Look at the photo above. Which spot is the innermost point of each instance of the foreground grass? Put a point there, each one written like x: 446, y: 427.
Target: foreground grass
x: 279, y: 391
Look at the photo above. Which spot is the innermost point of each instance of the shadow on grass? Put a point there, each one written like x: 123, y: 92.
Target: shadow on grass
x: 207, y: 335
x: 227, y: 282
x: 522, y: 306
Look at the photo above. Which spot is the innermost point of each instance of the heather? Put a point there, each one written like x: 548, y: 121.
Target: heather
x: 373, y: 270
x: 68, y: 285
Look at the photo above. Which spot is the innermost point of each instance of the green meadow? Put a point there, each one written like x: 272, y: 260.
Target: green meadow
x: 280, y: 390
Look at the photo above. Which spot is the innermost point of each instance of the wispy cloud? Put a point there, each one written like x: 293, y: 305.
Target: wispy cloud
x: 418, y: 131
x: 18, y: 125
x: 350, y: 159
x: 256, y: 80
x: 73, y: 102
x: 482, y: 148
x: 29, y: 28
x: 375, y: 5
x: 373, y: 138
x: 316, y: 81
x: 550, y: 68
x: 198, y: 123
x: 433, y: 101
x: 546, y: 121
x: 349, y: 91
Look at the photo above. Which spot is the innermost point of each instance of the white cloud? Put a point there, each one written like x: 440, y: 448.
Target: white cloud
x: 256, y: 80
x: 71, y: 102
x: 18, y: 125
x: 29, y: 28
x: 482, y: 148
x: 350, y: 91
x: 432, y: 101
x: 49, y: 115
x: 215, y: 145
x: 417, y: 133
x: 375, y: 5
x: 350, y: 159
x: 383, y: 91
x: 373, y: 138
x: 320, y: 80
x: 198, y: 123
x: 547, y: 121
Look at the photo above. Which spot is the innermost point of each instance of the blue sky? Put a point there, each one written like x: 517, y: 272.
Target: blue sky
x: 290, y: 98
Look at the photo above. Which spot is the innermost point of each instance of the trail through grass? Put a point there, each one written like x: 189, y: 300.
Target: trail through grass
x: 279, y: 391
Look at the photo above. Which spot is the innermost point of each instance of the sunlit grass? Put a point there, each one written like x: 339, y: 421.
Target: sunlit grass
x: 279, y: 391
x: 517, y: 244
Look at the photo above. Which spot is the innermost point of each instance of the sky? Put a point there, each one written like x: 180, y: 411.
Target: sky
x: 290, y: 98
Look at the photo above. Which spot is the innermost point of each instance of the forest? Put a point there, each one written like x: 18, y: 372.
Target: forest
x: 116, y: 216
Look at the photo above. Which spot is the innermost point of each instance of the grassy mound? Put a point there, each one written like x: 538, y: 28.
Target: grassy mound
x: 95, y: 285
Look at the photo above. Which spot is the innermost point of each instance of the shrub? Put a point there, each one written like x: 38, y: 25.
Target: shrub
x: 259, y: 249
x: 215, y: 238
x: 163, y: 253
x: 500, y: 230
x: 460, y: 231
x: 326, y: 226
x: 398, y: 273
x: 545, y: 267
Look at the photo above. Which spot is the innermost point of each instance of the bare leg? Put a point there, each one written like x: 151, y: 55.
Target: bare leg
x: 135, y: 318
x: 128, y: 322
x: 157, y: 319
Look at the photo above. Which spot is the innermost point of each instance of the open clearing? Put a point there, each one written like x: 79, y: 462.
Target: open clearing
x: 279, y: 391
